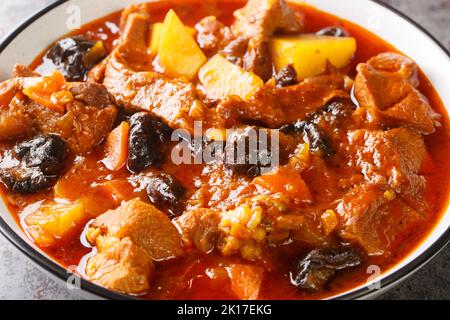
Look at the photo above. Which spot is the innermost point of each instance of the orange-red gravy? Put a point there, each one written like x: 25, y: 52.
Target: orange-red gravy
x: 169, y: 281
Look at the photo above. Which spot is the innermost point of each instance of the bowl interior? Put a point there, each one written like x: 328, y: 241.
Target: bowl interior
x: 29, y: 40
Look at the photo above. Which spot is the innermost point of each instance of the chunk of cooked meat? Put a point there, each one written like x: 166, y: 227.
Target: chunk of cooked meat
x: 200, y: 227
x: 402, y: 104
x: 396, y: 63
x: 128, y: 78
x: 256, y: 22
x: 211, y: 34
x: 147, y: 144
x: 120, y: 265
x: 146, y: 226
x: 275, y: 107
x: 391, y: 157
x: 365, y: 212
x: 88, y: 116
x: 315, y: 270
x: 128, y: 240
x: 34, y: 164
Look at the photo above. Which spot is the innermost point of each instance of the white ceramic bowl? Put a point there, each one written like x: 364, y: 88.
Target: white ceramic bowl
x: 38, y: 32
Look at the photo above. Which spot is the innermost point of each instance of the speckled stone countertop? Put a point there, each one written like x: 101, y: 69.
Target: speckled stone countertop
x: 20, y: 279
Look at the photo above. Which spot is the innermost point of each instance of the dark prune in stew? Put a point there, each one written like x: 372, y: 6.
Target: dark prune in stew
x: 286, y: 77
x: 34, y: 164
x: 47, y: 152
x: 333, y: 32
x: 166, y: 193
x: 318, y: 139
x: 147, y: 144
x: 246, y: 153
x: 334, y: 113
x: 75, y: 56
x: 315, y: 270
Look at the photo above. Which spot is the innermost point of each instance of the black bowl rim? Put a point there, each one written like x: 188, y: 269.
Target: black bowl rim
x: 55, y: 269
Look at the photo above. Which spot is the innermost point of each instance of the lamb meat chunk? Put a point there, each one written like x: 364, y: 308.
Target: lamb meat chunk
x: 137, y: 88
x: 120, y: 265
x: 256, y: 22
x: 391, y: 157
x: 396, y: 63
x: 365, y: 212
x: 315, y: 270
x: 234, y: 50
x: 87, y: 118
x: 392, y: 194
x: 275, y: 107
x: 402, y: 104
x: 144, y: 225
x: 200, y: 227
x: 211, y: 34
x: 33, y: 165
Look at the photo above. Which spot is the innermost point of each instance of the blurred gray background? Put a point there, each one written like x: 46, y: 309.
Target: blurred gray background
x: 20, y: 279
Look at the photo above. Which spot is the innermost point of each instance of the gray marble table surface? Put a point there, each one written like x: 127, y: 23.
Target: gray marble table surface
x: 20, y: 279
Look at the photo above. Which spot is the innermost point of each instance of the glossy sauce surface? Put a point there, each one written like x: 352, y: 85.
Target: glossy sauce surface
x: 195, y: 276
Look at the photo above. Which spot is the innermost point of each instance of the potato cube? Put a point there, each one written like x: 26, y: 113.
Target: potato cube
x: 221, y: 78
x: 52, y: 222
x: 309, y: 53
x: 178, y: 53
x: 156, y: 33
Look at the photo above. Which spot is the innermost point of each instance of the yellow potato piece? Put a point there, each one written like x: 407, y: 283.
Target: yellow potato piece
x: 156, y: 33
x: 178, y: 53
x: 53, y: 222
x: 221, y: 78
x: 309, y: 53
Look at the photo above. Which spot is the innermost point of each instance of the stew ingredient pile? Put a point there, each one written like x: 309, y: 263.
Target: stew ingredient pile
x: 87, y: 151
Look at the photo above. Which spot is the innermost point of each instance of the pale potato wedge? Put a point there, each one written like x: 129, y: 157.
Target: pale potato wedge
x: 309, y: 53
x: 156, y: 36
x: 53, y: 222
x: 179, y: 55
x: 221, y: 78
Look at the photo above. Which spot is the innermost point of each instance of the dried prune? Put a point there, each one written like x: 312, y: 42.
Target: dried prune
x: 166, y: 193
x: 247, y: 152
x: 75, y: 56
x: 147, y: 144
x: 334, y: 112
x: 33, y: 165
x: 317, y: 138
x: 47, y: 152
x: 333, y: 32
x: 315, y: 270
x: 286, y: 77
